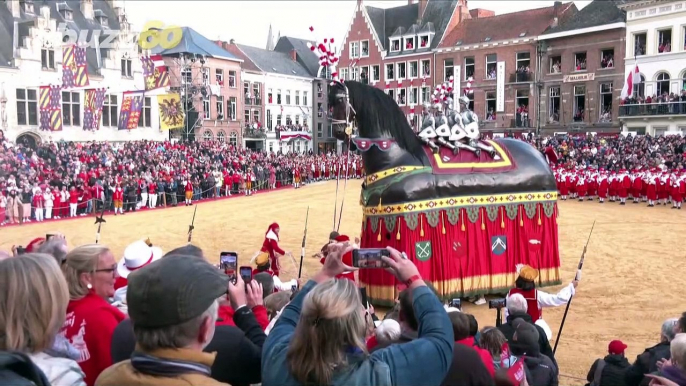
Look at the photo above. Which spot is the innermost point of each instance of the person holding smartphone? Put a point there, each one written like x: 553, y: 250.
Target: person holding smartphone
x: 320, y: 336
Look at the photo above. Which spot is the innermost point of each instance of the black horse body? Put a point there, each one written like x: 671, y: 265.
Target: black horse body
x: 378, y: 117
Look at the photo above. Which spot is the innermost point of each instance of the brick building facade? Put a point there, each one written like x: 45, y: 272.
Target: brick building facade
x: 392, y: 48
x: 582, y: 71
x: 499, y: 54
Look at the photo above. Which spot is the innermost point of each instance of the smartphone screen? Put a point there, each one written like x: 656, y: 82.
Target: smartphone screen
x: 370, y: 257
x: 246, y: 273
x: 228, y: 262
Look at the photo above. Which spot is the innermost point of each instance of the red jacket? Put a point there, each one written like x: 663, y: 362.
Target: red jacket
x: 152, y: 188
x: 226, y: 312
x: 89, y: 326
x: 483, y: 353
x: 189, y: 187
x: 73, y: 197
x: 118, y: 195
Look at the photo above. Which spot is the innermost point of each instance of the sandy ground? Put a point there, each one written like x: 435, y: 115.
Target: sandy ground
x: 629, y: 285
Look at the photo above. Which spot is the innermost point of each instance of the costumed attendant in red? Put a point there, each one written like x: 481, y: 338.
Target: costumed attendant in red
x: 118, y: 198
x: 296, y: 177
x: 636, y: 185
x: 678, y: 190
x: 624, y: 186
x: 262, y: 262
x: 91, y: 271
x: 525, y: 285
x: 347, y: 259
x: 652, y: 181
x: 188, y: 188
x: 603, y: 186
x: 270, y: 247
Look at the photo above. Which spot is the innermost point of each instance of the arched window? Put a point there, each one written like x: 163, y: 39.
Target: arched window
x: 233, y: 139
x: 683, y: 81
x: 207, y: 136
x: 662, y: 83
x: 640, y: 87
x: 221, y: 136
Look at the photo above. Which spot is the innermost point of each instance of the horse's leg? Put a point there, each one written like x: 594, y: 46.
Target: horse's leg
x: 447, y: 144
x: 468, y: 147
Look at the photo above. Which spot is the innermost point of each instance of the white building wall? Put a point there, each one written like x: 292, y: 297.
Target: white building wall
x: 28, y: 74
x: 275, y: 82
x: 650, y: 19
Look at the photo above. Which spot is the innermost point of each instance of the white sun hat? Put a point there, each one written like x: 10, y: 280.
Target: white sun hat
x: 137, y: 255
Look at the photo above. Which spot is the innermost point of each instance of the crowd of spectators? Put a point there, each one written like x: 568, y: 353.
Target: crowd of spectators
x: 614, y: 153
x: 63, y: 325
x: 656, y: 104
x: 68, y: 179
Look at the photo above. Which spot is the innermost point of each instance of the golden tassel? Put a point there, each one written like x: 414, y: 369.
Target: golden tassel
x: 443, y: 223
x: 483, y: 226
x: 397, y: 236
x: 462, y: 219
x: 502, y: 219
x: 421, y: 226
x: 539, y: 215
x: 378, y: 238
x: 521, y: 218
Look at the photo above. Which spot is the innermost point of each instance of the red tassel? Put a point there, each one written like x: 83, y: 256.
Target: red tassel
x: 321, y: 47
x: 311, y: 29
x: 331, y: 40
x: 312, y: 48
x: 326, y: 40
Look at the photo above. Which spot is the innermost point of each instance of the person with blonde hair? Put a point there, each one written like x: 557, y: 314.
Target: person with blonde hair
x: 320, y: 336
x: 90, y: 271
x: 33, y: 310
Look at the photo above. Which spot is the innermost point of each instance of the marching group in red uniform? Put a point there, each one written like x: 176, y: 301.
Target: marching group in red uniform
x: 654, y: 186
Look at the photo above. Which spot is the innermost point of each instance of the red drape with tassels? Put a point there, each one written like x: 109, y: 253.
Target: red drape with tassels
x: 462, y: 261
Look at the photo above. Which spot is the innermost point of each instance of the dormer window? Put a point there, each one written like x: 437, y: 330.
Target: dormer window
x: 409, y: 43
x: 65, y: 11
x: 101, y: 18
x: 424, y: 41
x: 395, y: 45
x: 68, y: 15
x: 28, y: 6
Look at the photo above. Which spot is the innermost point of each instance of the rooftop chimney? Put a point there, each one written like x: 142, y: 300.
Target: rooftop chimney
x: 557, y: 7
x: 480, y: 13
x: 232, y: 41
x: 87, y: 9
x: 14, y: 7
x: 294, y: 55
x: 422, y: 8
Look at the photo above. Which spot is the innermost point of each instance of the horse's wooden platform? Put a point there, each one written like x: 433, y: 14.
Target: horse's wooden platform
x: 465, y: 162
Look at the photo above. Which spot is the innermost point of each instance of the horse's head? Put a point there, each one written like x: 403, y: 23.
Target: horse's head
x: 341, y: 112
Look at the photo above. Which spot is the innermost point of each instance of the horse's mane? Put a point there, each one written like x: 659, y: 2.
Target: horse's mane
x: 378, y: 114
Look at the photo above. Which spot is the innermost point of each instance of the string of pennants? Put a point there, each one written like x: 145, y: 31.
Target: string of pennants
x: 75, y: 75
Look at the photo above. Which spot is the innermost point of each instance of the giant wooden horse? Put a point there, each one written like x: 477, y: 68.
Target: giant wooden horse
x: 466, y: 220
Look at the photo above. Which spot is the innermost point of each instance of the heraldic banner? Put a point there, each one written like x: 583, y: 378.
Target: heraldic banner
x: 92, y: 108
x: 50, y: 98
x: 155, y: 72
x: 131, y: 108
x: 171, y: 111
x: 74, y: 67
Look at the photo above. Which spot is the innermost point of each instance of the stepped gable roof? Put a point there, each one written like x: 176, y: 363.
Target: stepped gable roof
x: 192, y: 42
x: 396, y: 21
x: 79, y: 23
x: 599, y: 12
x: 515, y: 25
x: 306, y: 57
x: 274, y: 62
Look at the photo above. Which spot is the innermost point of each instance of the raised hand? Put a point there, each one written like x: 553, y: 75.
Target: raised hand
x: 400, y: 266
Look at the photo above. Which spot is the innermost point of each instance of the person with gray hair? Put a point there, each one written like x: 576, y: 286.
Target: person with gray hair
x: 517, y: 308
x: 55, y: 246
x: 647, y: 362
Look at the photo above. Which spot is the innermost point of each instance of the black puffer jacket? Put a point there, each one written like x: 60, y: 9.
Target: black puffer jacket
x: 612, y: 373
x: 646, y: 363
x: 542, y: 372
x: 543, y: 344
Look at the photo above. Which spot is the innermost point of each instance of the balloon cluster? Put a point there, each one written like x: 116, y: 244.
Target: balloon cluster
x: 326, y: 53
x: 443, y: 93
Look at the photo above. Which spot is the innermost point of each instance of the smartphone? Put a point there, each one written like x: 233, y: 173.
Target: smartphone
x: 228, y: 262
x: 246, y: 273
x: 370, y: 257
x: 457, y: 303
x: 363, y: 297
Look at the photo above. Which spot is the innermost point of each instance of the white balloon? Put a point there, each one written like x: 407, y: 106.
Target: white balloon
x: 451, y: 78
x: 435, y: 92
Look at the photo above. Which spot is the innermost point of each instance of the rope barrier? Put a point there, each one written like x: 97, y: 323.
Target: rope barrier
x: 261, y: 186
x: 572, y: 377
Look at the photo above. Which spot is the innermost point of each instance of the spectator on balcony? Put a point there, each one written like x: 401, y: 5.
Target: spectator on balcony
x: 580, y: 64
x: 491, y: 74
x: 579, y: 115
x: 606, y: 115
x: 554, y: 117
x: 665, y: 46
x: 557, y: 68
x: 523, y: 115
x: 490, y: 116
x: 607, y: 62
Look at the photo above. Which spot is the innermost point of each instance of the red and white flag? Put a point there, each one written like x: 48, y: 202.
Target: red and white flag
x: 634, y: 77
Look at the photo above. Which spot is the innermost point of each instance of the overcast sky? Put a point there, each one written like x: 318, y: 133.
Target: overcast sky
x: 248, y: 21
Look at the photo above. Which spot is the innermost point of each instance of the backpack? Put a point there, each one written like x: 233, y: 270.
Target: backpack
x: 17, y: 369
